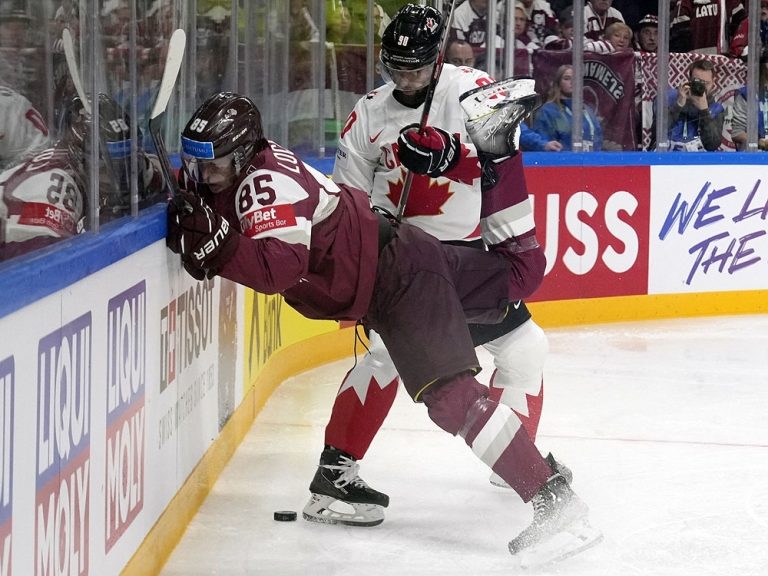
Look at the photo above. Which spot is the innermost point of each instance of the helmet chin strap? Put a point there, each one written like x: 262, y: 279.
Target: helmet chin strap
x: 412, y: 99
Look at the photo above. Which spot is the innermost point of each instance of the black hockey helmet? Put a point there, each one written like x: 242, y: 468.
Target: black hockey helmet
x: 220, y: 139
x: 115, y: 145
x: 114, y: 124
x: 412, y: 39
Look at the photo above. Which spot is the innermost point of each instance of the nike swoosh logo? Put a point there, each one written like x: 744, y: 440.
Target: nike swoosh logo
x: 517, y: 304
x: 374, y: 138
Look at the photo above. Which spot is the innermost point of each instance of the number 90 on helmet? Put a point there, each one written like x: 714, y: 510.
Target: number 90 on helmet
x: 409, y: 47
x: 220, y: 140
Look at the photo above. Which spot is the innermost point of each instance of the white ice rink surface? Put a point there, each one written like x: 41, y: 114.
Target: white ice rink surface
x: 664, y: 423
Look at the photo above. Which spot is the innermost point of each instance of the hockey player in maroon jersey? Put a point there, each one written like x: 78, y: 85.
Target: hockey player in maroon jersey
x: 447, y: 205
x: 45, y: 199
x: 254, y: 213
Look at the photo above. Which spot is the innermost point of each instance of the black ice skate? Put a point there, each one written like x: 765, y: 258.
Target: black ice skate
x: 559, y: 529
x: 494, y: 113
x: 340, y: 496
x: 557, y: 468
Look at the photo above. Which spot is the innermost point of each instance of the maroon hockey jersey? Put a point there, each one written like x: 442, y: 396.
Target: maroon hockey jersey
x: 308, y: 239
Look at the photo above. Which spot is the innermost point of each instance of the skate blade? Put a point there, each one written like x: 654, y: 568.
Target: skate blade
x: 328, y: 510
x: 572, y: 540
x: 498, y: 481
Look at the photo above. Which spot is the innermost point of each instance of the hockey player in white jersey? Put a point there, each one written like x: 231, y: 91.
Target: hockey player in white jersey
x: 445, y: 201
x: 23, y: 131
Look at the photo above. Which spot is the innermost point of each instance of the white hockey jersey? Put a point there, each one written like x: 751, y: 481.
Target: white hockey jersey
x: 367, y: 157
x: 41, y: 201
x: 22, y: 129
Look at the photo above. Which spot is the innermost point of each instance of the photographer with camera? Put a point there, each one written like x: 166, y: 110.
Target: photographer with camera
x: 695, y: 119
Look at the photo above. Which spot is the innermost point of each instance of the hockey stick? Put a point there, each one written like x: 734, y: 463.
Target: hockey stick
x: 176, y: 47
x: 74, y: 70
x: 436, y: 70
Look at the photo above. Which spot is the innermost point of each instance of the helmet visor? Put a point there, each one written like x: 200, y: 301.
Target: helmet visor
x: 200, y: 165
x: 407, y: 79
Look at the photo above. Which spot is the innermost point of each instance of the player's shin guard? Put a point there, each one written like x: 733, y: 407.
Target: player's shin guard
x: 517, y: 381
x: 493, y: 432
x: 363, y: 402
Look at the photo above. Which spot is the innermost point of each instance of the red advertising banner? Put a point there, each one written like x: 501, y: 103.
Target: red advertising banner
x: 593, y: 224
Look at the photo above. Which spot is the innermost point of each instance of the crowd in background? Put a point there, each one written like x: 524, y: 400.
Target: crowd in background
x: 281, y: 52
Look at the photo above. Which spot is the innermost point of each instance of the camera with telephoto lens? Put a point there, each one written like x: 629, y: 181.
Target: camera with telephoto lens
x: 698, y: 88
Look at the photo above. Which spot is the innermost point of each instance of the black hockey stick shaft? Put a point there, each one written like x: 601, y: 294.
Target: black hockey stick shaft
x: 437, y: 69
x: 176, y: 47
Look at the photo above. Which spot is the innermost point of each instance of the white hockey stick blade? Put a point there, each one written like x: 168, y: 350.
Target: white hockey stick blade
x: 173, y: 61
x: 74, y: 70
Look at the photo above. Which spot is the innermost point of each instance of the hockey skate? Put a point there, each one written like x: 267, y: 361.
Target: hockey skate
x: 340, y: 496
x: 557, y: 468
x: 494, y: 113
x: 560, y: 528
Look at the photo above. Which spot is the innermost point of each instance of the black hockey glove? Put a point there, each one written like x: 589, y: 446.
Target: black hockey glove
x: 433, y: 152
x: 204, y: 239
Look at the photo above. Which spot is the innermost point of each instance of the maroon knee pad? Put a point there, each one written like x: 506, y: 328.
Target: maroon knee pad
x: 448, y: 401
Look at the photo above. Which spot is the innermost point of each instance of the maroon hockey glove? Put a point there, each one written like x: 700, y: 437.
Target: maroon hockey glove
x: 196, y: 273
x: 433, y: 152
x: 204, y: 239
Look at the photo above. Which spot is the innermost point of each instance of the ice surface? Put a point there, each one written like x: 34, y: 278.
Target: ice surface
x: 664, y: 423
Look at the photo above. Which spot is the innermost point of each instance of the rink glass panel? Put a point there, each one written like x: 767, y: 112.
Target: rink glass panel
x: 304, y: 62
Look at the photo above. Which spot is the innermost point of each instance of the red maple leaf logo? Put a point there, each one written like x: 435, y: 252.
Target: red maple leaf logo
x: 426, y: 197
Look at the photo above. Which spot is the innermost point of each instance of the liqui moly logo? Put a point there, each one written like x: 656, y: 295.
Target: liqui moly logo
x: 126, y: 416
x: 6, y: 460
x: 63, y: 450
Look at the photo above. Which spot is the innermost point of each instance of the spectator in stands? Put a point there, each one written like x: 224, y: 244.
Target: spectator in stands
x: 339, y: 21
x: 564, y: 38
x: 647, y: 34
x: 15, y: 70
x: 554, y: 121
x: 739, y: 42
x: 470, y: 24
x: 542, y: 23
x: 532, y: 141
x: 695, y: 119
x: 523, y: 37
x: 460, y: 53
x: 705, y: 26
x: 739, y: 133
x: 617, y: 38
x: 598, y: 15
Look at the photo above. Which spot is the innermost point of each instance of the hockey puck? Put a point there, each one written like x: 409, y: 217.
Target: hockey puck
x: 285, y: 515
